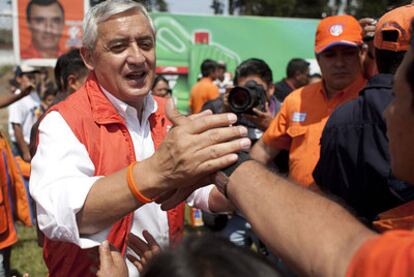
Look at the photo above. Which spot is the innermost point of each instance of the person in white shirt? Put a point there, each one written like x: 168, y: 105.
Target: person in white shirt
x: 79, y: 200
x: 22, y: 114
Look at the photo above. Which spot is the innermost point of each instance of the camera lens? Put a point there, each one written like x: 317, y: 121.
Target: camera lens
x: 239, y: 99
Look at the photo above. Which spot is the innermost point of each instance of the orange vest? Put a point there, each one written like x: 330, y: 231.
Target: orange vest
x: 14, y: 200
x: 99, y: 127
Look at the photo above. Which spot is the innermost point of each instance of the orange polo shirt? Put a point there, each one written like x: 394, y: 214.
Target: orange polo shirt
x: 299, y: 124
x: 201, y: 92
x: 391, y: 254
x: 32, y: 53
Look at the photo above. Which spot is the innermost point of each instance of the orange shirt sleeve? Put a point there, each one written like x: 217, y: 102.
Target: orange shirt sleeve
x: 276, y: 135
x: 391, y: 254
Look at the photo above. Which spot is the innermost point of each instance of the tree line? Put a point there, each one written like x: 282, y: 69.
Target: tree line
x: 289, y: 8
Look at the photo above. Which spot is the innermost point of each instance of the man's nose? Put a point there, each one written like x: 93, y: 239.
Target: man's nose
x: 49, y: 26
x: 339, y: 60
x: 135, y: 55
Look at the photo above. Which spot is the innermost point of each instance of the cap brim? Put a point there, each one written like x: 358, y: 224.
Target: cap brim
x: 30, y: 72
x: 337, y: 43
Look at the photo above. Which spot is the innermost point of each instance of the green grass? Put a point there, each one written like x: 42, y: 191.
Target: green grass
x: 26, y: 255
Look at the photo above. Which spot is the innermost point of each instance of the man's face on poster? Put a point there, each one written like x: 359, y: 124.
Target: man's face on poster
x: 46, y: 25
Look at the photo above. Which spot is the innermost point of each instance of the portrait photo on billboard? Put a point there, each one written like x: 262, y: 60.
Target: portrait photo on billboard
x: 48, y: 28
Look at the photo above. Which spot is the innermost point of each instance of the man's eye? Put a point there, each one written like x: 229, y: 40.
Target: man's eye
x: 57, y: 20
x: 39, y: 20
x: 146, y: 45
x: 117, y: 48
x: 329, y: 55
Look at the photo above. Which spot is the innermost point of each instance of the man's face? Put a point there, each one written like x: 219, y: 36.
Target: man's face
x: 302, y: 78
x: 340, y: 66
x: 124, y: 56
x: 49, y: 100
x: 46, y: 25
x: 399, y: 116
x: 242, y: 81
x: 220, y: 73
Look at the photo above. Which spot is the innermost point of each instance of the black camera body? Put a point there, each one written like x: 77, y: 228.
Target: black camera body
x: 244, y: 99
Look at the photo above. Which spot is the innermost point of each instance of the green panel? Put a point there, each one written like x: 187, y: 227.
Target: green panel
x: 232, y: 39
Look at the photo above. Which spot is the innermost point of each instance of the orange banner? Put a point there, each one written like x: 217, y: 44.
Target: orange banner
x: 48, y: 28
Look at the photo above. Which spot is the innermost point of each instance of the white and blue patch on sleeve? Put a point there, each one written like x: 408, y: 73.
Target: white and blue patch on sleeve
x: 298, y: 117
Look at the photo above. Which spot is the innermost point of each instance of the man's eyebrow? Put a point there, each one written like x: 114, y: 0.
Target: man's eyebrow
x: 146, y: 37
x: 117, y: 40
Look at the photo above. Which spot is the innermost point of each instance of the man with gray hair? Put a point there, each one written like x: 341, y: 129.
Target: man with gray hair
x: 85, y: 179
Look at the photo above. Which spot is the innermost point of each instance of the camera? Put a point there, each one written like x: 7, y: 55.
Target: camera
x: 244, y: 99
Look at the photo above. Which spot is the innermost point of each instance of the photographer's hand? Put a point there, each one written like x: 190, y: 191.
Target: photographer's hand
x: 261, y: 119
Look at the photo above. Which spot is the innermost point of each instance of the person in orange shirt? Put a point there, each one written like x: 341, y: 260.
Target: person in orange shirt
x: 299, y: 124
x: 204, y: 89
x: 45, y: 20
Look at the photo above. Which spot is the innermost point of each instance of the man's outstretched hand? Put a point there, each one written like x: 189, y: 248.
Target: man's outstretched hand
x: 194, y: 150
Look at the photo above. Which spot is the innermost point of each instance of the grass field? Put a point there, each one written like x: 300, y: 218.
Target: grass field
x: 26, y: 255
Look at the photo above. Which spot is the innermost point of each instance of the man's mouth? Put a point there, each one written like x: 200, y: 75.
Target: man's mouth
x: 136, y: 76
x: 341, y: 73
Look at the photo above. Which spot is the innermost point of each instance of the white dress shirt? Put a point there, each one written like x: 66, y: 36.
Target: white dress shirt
x: 62, y: 175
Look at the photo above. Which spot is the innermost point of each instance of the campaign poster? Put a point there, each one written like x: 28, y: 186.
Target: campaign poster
x: 47, y: 28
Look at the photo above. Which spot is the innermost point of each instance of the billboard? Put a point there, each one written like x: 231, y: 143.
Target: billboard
x: 184, y: 41
x: 46, y: 29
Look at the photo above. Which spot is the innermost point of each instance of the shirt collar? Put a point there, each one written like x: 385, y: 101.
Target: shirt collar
x: 353, y: 89
x: 150, y: 105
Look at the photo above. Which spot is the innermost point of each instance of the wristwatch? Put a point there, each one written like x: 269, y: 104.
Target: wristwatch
x: 222, y: 176
x: 221, y: 181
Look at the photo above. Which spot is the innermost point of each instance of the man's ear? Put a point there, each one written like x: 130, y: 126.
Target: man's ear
x: 71, y: 81
x: 87, y: 57
x: 271, y: 90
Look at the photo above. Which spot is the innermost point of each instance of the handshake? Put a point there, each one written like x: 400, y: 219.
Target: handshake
x: 195, y: 149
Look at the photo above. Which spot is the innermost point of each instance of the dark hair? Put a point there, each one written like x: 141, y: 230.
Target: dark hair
x: 221, y: 65
x: 209, y: 256
x: 207, y: 67
x: 70, y: 63
x: 43, y: 3
x: 388, y: 61
x: 157, y: 79
x: 251, y: 67
x: 296, y: 65
x: 49, y: 91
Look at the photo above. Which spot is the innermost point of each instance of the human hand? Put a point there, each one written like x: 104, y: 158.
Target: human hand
x: 368, y: 26
x: 26, y: 156
x: 196, y: 148
x: 226, y: 104
x: 111, y: 262
x: 261, y: 119
x: 172, y: 198
x: 146, y: 250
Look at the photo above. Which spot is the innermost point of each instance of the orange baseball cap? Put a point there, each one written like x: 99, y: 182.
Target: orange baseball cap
x: 337, y: 30
x: 393, y: 29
